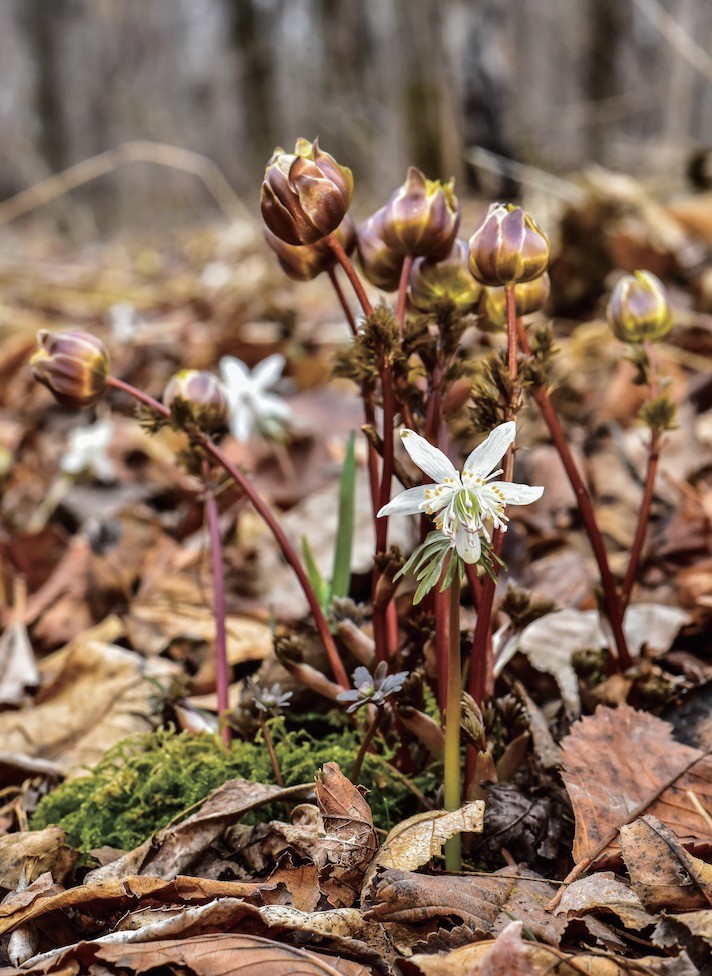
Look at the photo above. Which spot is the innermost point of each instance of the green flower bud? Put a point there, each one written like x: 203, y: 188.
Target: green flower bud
x: 508, y: 247
x: 638, y: 308
x: 421, y: 218
x: 73, y: 365
x: 529, y: 297
x: 196, y: 395
x: 432, y: 280
x: 305, y: 261
x: 305, y: 194
x: 380, y: 264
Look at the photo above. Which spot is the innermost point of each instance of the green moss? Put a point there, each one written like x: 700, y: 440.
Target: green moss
x: 145, y: 782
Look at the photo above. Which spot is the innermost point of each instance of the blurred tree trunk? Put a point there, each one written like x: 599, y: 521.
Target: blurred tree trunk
x: 429, y: 106
x: 42, y: 23
x: 251, y: 34
x: 601, y: 75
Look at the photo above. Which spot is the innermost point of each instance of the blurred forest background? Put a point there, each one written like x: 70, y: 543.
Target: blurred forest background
x: 556, y: 84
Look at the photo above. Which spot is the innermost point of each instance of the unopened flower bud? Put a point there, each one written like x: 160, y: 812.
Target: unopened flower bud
x: 508, y: 247
x: 421, y: 218
x: 305, y: 194
x: 306, y: 261
x: 73, y: 365
x: 638, y: 308
x: 432, y: 280
x: 529, y: 297
x: 201, y: 395
x: 380, y: 264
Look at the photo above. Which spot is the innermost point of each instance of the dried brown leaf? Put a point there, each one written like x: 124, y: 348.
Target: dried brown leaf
x: 663, y: 874
x: 350, y: 840
x: 415, y: 841
x: 206, y: 955
x: 482, y: 904
x: 621, y: 763
x: 48, y: 850
x: 603, y: 893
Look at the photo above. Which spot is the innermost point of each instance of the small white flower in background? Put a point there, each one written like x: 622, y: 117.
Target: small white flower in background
x: 462, y: 502
x: 87, y: 451
x: 252, y: 408
x: 124, y: 321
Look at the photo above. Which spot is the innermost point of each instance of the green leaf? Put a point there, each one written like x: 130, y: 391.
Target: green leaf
x: 319, y: 584
x: 341, y: 575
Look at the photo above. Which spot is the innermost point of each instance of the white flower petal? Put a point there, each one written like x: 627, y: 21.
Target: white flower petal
x: 270, y: 405
x: 518, y: 494
x: 428, y: 458
x: 407, y: 503
x: 487, y: 456
x: 235, y: 375
x: 241, y: 423
x: 266, y: 373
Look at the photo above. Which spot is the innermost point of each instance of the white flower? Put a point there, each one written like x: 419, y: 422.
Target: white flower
x: 463, y: 502
x: 87, y: 449
x: 251, y: 406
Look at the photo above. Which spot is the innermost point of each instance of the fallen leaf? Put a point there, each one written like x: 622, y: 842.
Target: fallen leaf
x: 46, y: 847
x: 205, y: 955
x: 603, y: 893
x: 665, y: 877
x: 350, y: 840
x: 18, y: 669
x: 174, y: 849
x: 691, y: 931
x: 618, y: 764
x: 415, y: 841
x: 93, y: 695
x: 483, y: 904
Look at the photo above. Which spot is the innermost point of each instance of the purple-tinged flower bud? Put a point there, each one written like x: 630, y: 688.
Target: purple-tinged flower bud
x: 431, y: 281
x: 201, y: 395
x: 421, y: 217
x: 305, y: 194
x: 380, y: 264
x: 530, y: 296
x: 638, y: 308
x: 508, y: 247
x: 302, y: 262
x: 73, y: 365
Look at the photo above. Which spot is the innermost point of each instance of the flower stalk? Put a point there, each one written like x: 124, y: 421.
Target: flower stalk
x: 222, y: 677
x: 264, y: 512
x: 453, y: 719
x: 367, y: 740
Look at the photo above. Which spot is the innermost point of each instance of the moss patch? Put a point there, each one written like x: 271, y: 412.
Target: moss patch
x: 147, y: 781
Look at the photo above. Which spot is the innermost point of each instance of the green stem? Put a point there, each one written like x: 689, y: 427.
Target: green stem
x: 642, y: 524
x: 453, y: 721
x: 368, y: 738
x: 288, y: 551
x: 222, y: 671
x: 279, y: 779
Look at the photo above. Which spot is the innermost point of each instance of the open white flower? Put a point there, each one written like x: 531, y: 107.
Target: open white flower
x: 87, y: 451
x: 251, y: 406
x: 463, y: 502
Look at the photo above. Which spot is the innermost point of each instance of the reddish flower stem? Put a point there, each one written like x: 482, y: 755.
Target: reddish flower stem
x: 349, y: 315
x: 611, y: 598
x: 403, y: 291
x: 222, y: 677
x: 343, y: 259
x: 382, y: 629
x: 266, y: 515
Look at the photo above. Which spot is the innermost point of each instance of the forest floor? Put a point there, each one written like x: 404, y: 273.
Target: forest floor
x: 132, y: 840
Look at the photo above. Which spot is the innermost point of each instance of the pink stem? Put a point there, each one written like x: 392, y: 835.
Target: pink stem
x: 342, y: 257
x: 403, y: 290
x: 342, y: 300
x: 264, y: 512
